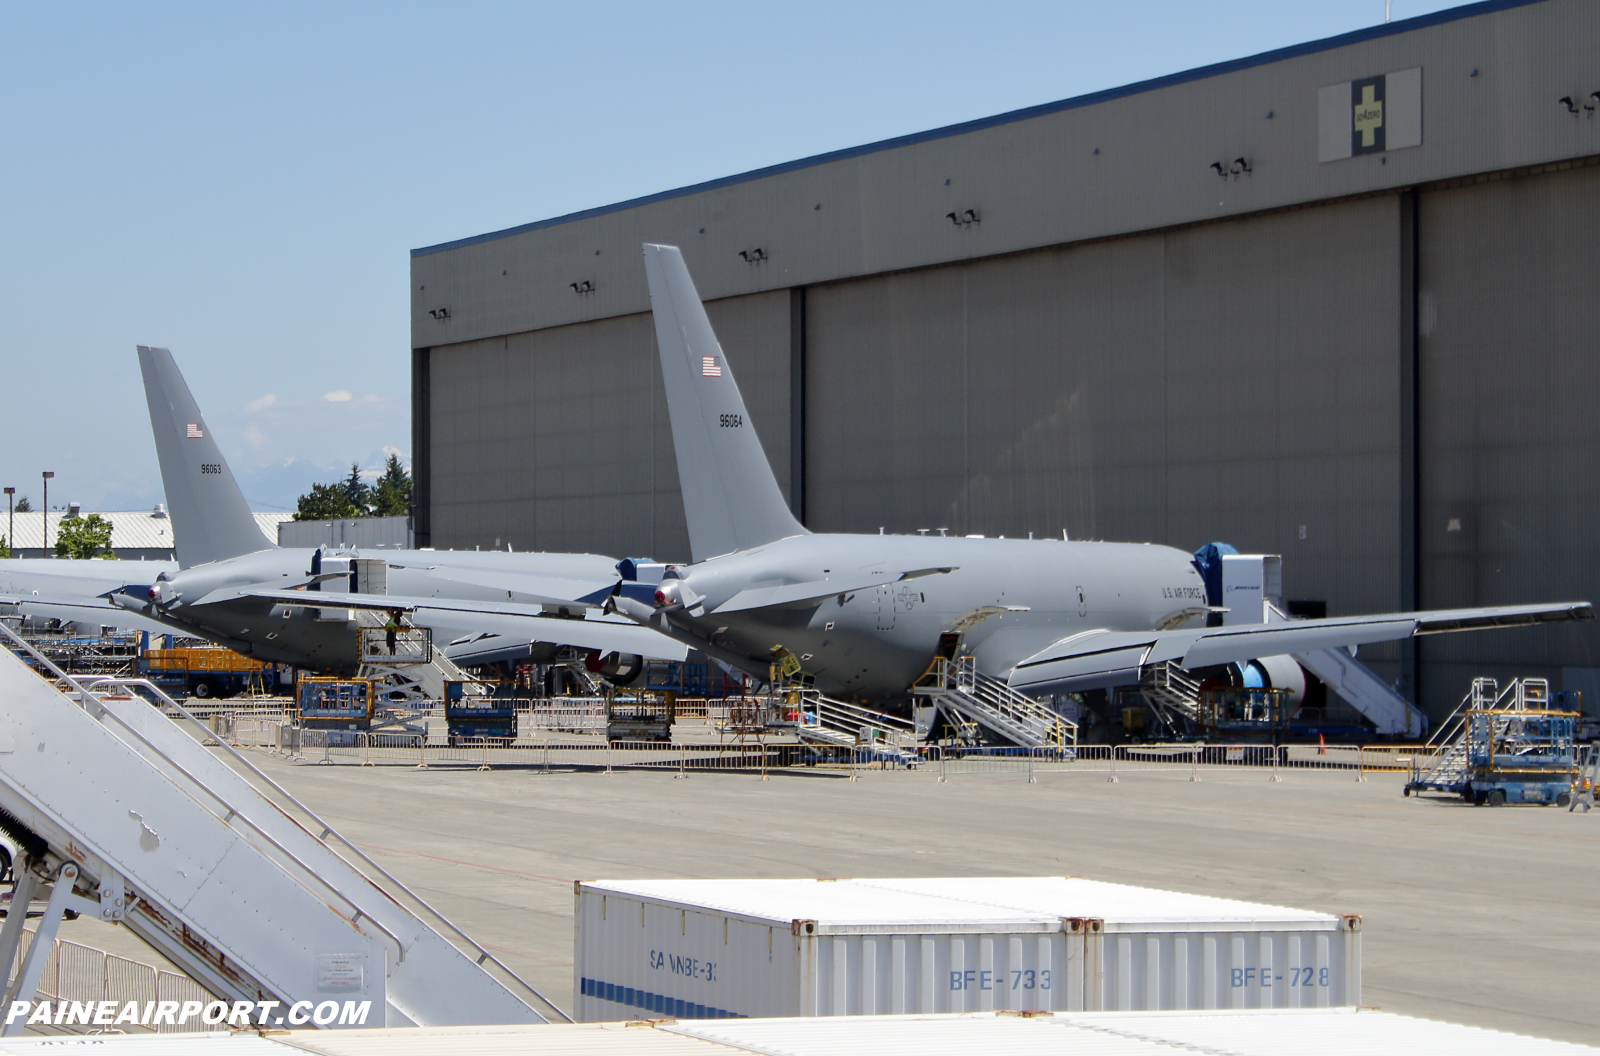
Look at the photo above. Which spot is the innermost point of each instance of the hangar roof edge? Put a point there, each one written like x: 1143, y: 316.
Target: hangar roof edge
x: 1199, y: 73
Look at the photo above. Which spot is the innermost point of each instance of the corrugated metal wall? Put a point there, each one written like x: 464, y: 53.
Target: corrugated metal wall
x: 1238, y: 381
x: 1232, y: 381
x: 559, y: 439
x: 1510, y: 421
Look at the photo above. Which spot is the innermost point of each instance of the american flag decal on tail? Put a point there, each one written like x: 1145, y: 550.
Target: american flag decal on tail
x: 193, y: 432
x: 709, y: 367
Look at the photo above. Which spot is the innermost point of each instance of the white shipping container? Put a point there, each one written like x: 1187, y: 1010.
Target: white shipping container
x: 714, y: 949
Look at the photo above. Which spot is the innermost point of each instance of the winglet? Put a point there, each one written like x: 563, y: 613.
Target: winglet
x: 210, y: 519
x: 730, y: 497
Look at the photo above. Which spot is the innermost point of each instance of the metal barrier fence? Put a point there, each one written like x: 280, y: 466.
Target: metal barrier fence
x: 538, y: 749
x: 564, y: 715
x: 75, y: 973
x: 1113, y: 760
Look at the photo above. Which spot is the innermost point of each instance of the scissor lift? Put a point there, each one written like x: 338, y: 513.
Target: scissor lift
x: 1521, y: 756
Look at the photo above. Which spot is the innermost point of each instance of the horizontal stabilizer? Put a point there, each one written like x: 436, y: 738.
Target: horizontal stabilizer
x: 1103, y: 657
x: 601, y: 634
x: 794, y: 593
x: 82, y: 610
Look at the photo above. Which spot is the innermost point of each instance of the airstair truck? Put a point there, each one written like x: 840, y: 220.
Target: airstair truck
x: 124, y: 815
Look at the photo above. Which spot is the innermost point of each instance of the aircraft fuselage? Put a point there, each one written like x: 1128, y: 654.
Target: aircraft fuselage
x: 1008, y: 597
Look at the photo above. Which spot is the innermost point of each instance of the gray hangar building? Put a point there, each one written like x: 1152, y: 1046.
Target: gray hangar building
x: 1339, y: 302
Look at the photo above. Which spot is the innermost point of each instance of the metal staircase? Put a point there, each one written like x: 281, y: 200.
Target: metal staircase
x: 1172, y: 693
x: 967, y: 694
x: 1444, y: 769
x: 122, y: 814
x: 843, y: 724
x: 1583, y: 790
x: 1374, y: 698
x: 417, y: 672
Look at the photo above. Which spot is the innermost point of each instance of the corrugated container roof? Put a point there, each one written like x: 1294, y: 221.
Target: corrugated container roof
x: 829, y: 902
x: 1074, y: 896
x: 580, y: 1039
x: 1298, y: 1032
x: 953, y: 900
x: 130, y: 529
x: 1317, y: 1032
x: 956, y: 1035
x: 211, y: 1044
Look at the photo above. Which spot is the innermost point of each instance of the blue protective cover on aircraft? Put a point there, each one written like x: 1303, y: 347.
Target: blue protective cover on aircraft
x: 1208, y: 560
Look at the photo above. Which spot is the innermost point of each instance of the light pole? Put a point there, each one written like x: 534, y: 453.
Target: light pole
x: 11, y: 517
x: 45, y: 524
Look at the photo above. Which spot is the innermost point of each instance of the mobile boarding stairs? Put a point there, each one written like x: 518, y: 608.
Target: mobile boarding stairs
x: 118, y: 812
x: 1445, y: 766
x: 972, y: 698
x: 1174, y: 694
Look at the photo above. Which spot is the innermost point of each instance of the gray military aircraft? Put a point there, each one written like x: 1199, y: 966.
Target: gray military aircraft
x: 866, y: 615
x: 25, y: 580
x: 236, y: 588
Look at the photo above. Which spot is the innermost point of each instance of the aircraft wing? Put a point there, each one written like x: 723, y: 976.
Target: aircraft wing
x: 552, y: 589
x: 793, y: 593
x: 605, y: 635
x: 83, y: 610
x: 1102, y: 657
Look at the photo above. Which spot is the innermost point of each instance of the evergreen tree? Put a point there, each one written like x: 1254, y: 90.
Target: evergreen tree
x: 23, y: 505
x: 356, y: 490
x: 325, y: 502
x: 393, y: 493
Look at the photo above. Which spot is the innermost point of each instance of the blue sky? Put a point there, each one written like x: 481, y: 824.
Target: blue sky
x: 242, y: 183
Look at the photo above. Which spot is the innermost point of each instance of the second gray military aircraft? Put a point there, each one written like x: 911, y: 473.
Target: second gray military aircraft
x: 865, y: 615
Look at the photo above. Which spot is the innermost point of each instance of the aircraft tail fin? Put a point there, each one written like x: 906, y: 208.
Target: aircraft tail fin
x: 730, y: 497
x: 210, y: 519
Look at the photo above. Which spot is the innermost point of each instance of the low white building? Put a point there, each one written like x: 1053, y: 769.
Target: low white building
x: 136, y: 535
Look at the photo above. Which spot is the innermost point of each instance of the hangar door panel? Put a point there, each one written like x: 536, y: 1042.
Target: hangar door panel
x: 1510, y: 438
x: 1000, y: 397
x: 559, y: 439
x: 755, y: 335
x: 1283, y: 406
x: 554, y: 440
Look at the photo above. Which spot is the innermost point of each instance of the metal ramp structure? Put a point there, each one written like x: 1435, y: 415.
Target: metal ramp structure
x: 415, y: 669
x: 1445, y: 767
x: 843, y: 724
x: 957, y: 686
x: 1374, y: 698
x: 121, y: 813
x: 1583, y: 789
x: 1171, y: 693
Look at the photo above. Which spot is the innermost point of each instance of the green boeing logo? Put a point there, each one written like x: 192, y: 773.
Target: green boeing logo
x: 1367, y: 133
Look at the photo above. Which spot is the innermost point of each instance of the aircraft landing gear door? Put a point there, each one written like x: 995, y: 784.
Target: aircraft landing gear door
x: 1083, y: 605
x: 883, y: 598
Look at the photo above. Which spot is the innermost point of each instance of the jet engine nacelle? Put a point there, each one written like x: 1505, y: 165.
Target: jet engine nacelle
x: 674, y: 594
x: 620, y: 669
x: 1276, y: 672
